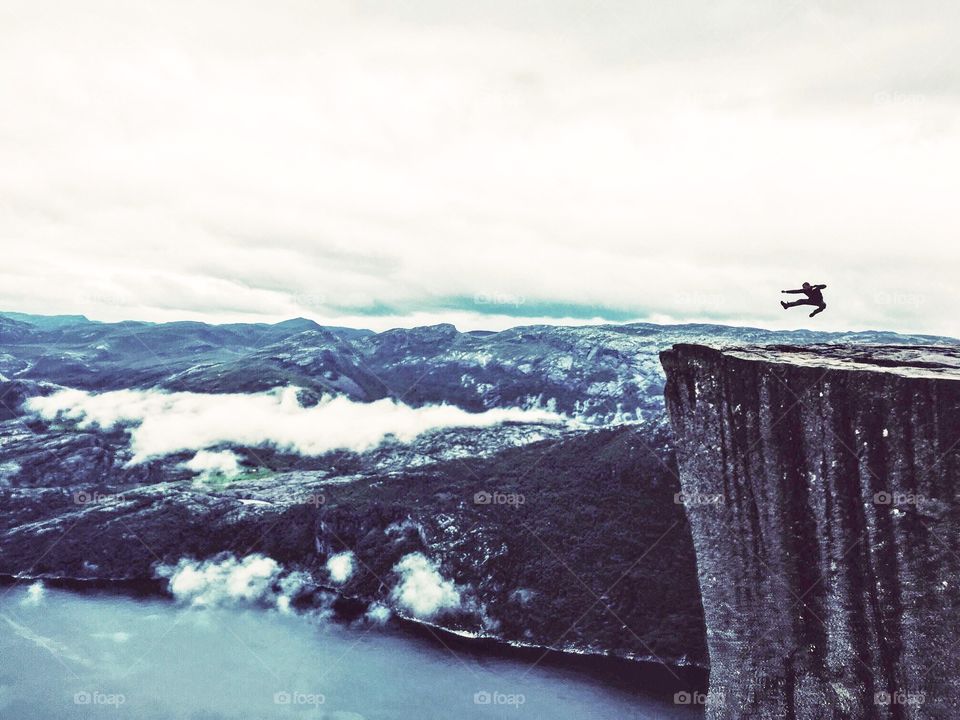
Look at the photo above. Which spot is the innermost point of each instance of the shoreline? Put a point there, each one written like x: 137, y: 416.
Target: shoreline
x: 633, y: 674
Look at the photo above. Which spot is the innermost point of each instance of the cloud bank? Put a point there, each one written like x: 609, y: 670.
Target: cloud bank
x: 473, y: 162
x: 225, y: 580
x: 221, y: 581
x: 162, y: 423
x: 422, y: 590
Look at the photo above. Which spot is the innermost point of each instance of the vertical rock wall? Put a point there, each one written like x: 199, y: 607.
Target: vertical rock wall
x: 821, y: 486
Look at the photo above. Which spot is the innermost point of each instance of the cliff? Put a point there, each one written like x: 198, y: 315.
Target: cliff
x: 821, y: 484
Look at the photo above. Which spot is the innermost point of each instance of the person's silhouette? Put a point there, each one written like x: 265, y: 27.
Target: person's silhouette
x: 814, y: 297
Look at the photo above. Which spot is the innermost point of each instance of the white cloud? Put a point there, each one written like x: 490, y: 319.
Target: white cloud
x: 377, y: 613
x: 332, y: 159
x: 340, y: 567
x: 164, y: 423
x: 422, y: 589
x: 34, y: 596
x: 207, y: 463
x: 225, y: 580
x: 222, y: 580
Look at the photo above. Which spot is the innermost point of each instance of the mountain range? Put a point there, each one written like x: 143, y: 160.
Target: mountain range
x: 597, y: 557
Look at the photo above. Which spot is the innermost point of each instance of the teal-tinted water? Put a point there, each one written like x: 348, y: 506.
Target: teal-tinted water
x: 67, y: 655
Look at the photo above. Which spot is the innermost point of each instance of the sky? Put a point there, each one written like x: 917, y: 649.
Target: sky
x: 384, y: 164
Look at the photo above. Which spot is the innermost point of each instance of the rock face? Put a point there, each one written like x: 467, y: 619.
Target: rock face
x: 821, y: 485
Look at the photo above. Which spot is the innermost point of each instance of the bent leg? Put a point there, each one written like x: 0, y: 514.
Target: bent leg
x: 820, y: 309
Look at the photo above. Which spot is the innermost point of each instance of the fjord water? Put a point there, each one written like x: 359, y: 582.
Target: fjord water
x: 71, y: 656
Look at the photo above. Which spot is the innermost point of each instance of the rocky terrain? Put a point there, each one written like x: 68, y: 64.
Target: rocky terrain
x: 822, y: 495
x: 565, y: 534
x: 600, y: 374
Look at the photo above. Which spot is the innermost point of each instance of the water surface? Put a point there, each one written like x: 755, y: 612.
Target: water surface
x: 100, y: 655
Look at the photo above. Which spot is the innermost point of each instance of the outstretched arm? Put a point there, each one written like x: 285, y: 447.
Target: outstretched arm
x: 819, y: 287
x: 794, y: 292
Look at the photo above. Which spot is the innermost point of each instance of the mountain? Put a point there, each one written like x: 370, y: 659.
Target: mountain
x: 529, y: 571
x: 599, y: 374
x: 598, y: 557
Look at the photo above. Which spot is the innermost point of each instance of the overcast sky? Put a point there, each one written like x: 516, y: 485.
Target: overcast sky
x: 486, y: 163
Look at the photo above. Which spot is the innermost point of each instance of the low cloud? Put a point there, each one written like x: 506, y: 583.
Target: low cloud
x: 224, y: 580
x: 340, y: 567
x: 377, y: 614
x: 35, y: 595
x: 422, y: 590
x: 257, y: 580
x: 162, y: 423
x: 207, y: 463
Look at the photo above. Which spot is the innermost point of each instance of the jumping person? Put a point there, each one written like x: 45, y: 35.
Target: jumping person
x: 814, y: 297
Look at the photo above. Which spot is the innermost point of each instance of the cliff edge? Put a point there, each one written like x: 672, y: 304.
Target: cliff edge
x: 821, y: 486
